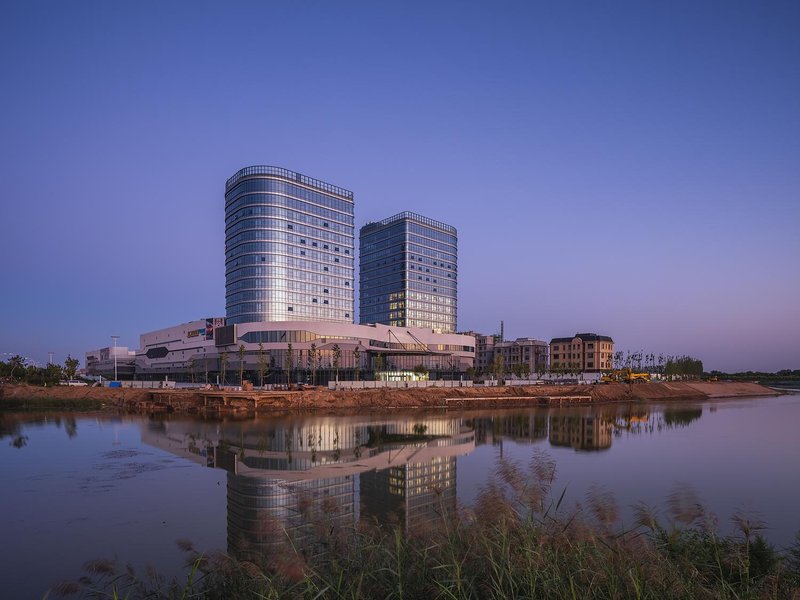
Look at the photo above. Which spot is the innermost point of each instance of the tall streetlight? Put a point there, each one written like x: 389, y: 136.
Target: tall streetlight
x: 115, y: 338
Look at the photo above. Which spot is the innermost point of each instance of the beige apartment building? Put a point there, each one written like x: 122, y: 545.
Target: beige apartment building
x: 523, y: 351
x: 585, y: 352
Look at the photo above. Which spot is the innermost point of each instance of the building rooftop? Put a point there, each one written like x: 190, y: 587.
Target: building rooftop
x: 410, y: 216
x: 586, y: 337
x: 287, y: 174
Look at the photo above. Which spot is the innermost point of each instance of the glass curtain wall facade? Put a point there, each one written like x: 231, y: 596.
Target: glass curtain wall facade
x: 408, y: 273
x: 289, y: 248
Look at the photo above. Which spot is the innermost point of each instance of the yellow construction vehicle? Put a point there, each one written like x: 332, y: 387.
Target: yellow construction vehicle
x: 625, y: 376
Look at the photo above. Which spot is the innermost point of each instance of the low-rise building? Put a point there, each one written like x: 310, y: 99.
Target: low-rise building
x: 523, y: 351
x: 211, y: 351
x: 528, y: 353
x: 101, y: 363
x: 584, y: 352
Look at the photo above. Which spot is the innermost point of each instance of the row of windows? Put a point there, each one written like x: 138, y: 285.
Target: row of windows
x: 288, y: 337
x: 422, y: 286
x: 315, y: 295
x: 238, y: 282
x: 377, y: 268
x: 374, y: 287
x: 315, y: 313
x: 280, y: 224
x: 402, y: 252
x: 368, y: 304
x: 429, y: 256
x: 433, y: 235
x: 290, y: 203
x: 590, y: 345
x: 273, y: 186
x: 294, y: 310
x: 416, y: 299
x: 371, y: 251
x: 279, y: 264
x: 433, y: 298
x: 299, y: 262
x: 438, y: 326
x: 421, y: 242
x: 283, y: 239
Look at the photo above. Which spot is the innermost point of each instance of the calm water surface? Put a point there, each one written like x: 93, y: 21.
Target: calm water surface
x: 79, y: 487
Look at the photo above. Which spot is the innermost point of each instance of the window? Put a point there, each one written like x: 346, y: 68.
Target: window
x: 290, y: 309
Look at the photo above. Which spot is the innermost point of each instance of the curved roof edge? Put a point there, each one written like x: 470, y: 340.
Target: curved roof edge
x: 254, y: 170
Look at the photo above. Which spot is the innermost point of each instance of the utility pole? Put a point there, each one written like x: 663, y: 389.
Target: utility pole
x: 115, y: 338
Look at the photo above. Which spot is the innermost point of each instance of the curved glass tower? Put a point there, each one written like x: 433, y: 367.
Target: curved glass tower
x: 289, y: 248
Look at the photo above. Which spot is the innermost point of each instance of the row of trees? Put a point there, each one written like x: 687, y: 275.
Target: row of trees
x: 782, y: 375
x: 17, y: 370
x: 662, y: 364
x: 669, y: 366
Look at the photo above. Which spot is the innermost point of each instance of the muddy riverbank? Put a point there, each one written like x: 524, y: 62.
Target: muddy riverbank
x: 190, y: 401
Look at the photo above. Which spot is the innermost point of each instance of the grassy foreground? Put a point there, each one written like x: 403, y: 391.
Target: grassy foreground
x: 515, y: 543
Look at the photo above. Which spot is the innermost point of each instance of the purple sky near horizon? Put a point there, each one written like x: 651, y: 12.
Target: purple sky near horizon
x: 627, y: 168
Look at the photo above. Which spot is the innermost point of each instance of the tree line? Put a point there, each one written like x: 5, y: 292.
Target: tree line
x: 17, y: 370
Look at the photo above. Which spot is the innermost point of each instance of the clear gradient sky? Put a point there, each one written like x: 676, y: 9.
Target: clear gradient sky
x: 629, y: 168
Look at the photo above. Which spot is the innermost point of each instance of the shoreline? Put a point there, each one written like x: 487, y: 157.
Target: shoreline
x: 13, y: 397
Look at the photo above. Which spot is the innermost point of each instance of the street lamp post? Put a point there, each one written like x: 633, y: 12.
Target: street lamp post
x: 115, y: 338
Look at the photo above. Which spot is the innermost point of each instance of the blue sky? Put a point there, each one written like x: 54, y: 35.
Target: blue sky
x: 629, y: 168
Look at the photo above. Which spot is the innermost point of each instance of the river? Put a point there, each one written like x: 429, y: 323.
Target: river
x: 78, y: 487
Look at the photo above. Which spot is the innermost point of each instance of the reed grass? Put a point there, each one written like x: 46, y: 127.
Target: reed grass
x: 518, y: 541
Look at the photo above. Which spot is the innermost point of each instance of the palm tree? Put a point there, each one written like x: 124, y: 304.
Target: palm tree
x: 337, y: 355
x: 223, y: 365
x: 241, y: 364
x: 262, y: 362
x: 357, y: 360
x: 289, y: 364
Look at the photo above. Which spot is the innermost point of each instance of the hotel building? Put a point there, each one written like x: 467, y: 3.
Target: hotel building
x: 408, y: 273
x: 289, y: 248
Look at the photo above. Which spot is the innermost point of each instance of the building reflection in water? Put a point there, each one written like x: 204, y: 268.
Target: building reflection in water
x: 581, y: 432
x: 292, y: 481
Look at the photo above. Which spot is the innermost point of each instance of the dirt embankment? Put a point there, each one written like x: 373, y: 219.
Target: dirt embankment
x: 319, y: 398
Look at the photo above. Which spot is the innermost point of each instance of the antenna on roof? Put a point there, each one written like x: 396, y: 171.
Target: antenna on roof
x: 502, y: 334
